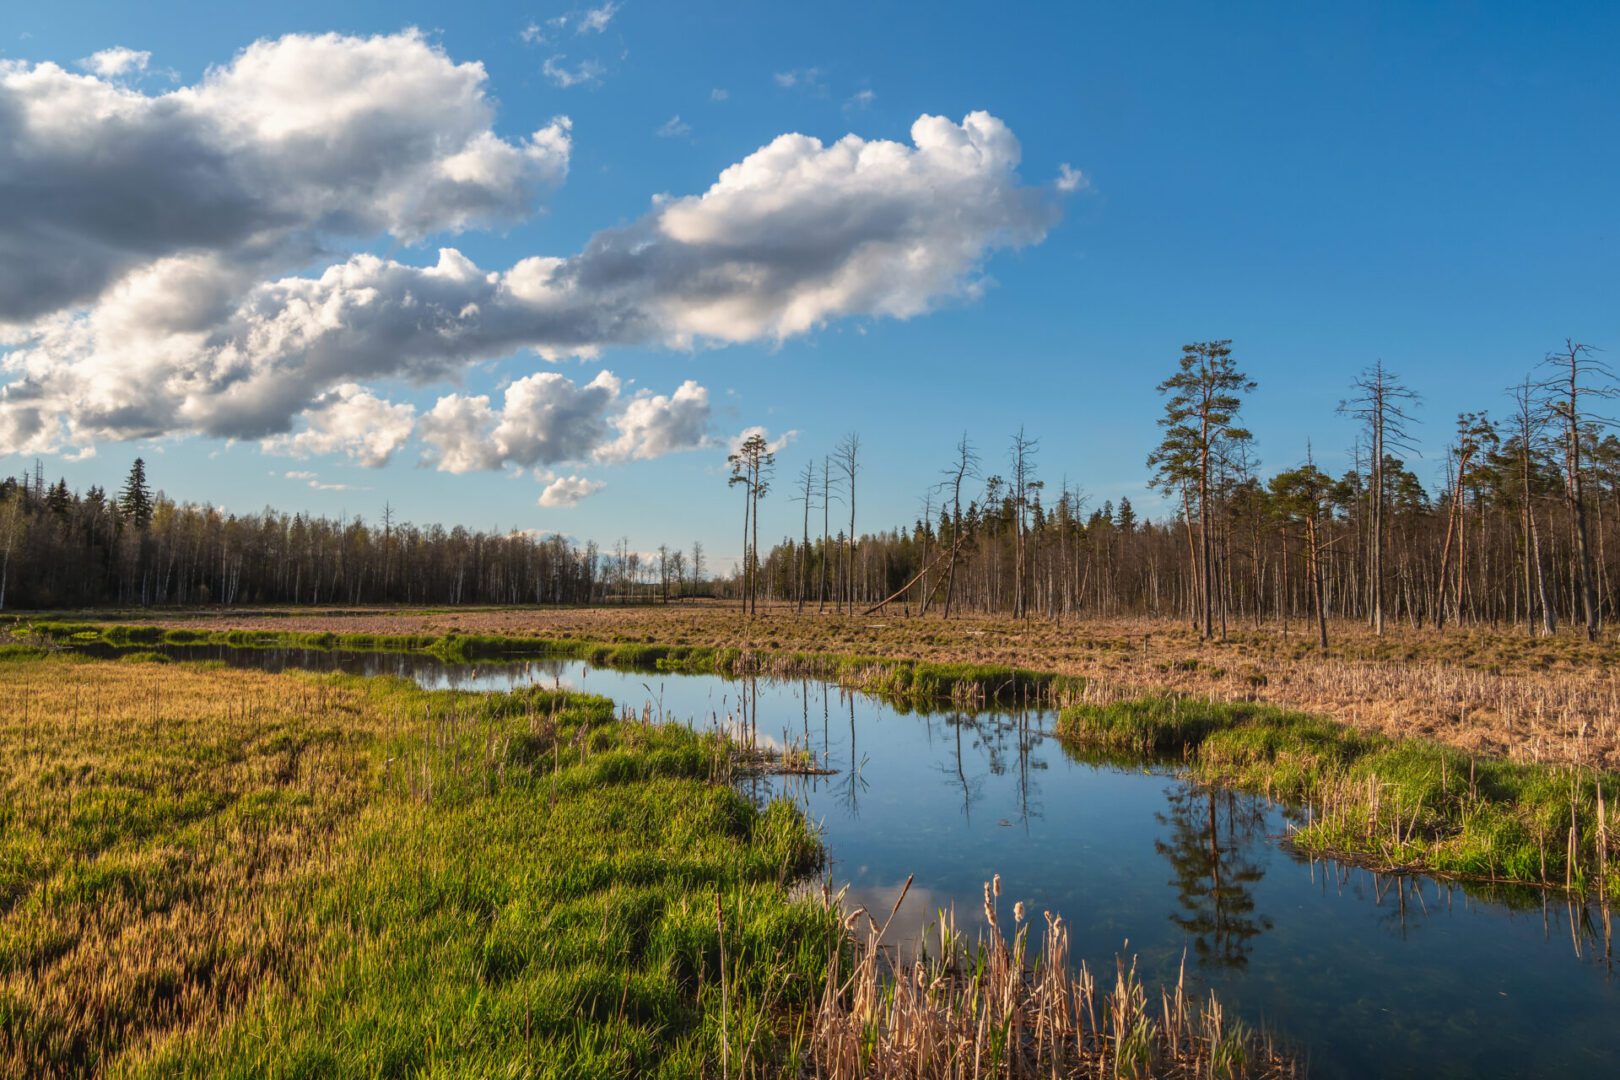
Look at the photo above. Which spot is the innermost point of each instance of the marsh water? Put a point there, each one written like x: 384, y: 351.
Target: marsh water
x: 1363, y: 974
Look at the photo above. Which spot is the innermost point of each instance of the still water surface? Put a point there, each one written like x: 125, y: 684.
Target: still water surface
x: 1367, y: 975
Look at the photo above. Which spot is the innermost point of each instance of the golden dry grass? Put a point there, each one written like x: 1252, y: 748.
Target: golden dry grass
x: 148, y: 813
x: 954, y: 1009
x: 207, y: 871
x: 1494, y: 691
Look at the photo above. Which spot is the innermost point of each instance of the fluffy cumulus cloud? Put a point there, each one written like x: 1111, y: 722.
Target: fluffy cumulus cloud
x: 568, y: 491
x: 653, y: 425
x: 774, y: 446
x: 350, y: 420
x: 117, y: 61
x: 150, y: 238
x: 293, y: 140
x: 546, y: 419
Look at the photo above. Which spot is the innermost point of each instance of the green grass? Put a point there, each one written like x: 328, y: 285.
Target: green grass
x: 1397, y: 804
x: 239, y: 874
x: 910, y: 683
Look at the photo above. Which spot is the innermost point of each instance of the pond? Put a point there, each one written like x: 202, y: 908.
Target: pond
x: 1365, y: 975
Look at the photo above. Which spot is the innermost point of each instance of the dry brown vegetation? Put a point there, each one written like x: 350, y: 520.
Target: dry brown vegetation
x: 1492, y: 691
x: 954, y: 1009
x: 148, y: 820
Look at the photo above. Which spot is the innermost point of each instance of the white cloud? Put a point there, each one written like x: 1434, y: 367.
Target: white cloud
x: 118, y: 61
x: 653, y: 425
x: 584, y: 73
x: 314, y: 482
x: 293, y: 143
x: 861, y: 99
x: 350, y: 420
x: 568, y: 491
x: 545, y: 419
x: 796, y: 234
x: 1071, y: 179
x: 532, y: 34
x: 595, y: 20
x: 719, y: 94
x: 674, y: 128
x: 775, y: 446
x: 808, y: 80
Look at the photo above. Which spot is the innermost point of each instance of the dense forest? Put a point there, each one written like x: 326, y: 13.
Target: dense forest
x: 59, y: 548
x: 1518, y: 531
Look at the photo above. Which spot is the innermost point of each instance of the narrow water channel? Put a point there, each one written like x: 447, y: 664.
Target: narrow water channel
x: 1366, y: 975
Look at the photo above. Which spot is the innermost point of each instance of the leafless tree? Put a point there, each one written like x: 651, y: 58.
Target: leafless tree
x: 964, y: 468
x: 807, y: 488
x: 1380, y: 403
x: 1577, y: 377
x: 847, y: 454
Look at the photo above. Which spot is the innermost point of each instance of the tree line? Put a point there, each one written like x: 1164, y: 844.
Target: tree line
x: 62, y: 549
x: 1518, y: 530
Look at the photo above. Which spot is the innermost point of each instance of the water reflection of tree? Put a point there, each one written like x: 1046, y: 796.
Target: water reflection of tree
x: 1006, y: 744
x: 1214, y: 835
x: 972, y: 788
x: 854, y: 781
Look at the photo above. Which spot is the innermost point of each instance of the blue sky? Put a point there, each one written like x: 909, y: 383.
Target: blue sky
x: 1430, y: 185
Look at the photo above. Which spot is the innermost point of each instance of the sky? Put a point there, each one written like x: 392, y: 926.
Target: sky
x: 538, y: 266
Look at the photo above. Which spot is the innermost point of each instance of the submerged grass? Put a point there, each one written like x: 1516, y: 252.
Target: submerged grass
x: 1403, y: 805
x: 224, y: 872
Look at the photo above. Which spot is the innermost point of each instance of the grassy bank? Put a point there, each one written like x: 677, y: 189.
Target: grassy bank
x: 904, y: 681
x: 208, y: 871
x: 215, y: 872
x: 1492, y: 691
x: 1392, y: 804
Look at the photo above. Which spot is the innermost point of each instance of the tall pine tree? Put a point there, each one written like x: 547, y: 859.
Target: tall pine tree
x: 136, y: 499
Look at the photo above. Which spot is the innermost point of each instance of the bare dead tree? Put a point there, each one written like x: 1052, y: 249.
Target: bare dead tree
x: 1529, y: 421
x: 1380, y: 404
x: 807, y: 487
x: 848, y: 454
x: 1024, y: 484
x: 965, y: 467
x: 1578, y: 376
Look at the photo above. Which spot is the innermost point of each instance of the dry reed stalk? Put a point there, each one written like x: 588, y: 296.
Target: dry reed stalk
x: 965, y: 1011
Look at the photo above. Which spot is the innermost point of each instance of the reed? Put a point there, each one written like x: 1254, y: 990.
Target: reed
x: 958, y: 1009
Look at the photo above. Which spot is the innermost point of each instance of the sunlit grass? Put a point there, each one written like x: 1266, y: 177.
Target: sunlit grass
x: 1404, y: 804
x: 224, y: 872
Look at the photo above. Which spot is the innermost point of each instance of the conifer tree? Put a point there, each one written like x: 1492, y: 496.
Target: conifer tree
x: 1203, y: 399
x: 136, y: 499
